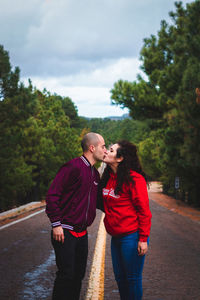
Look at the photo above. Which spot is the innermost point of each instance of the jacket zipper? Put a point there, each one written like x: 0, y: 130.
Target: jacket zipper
x: 89, y: 195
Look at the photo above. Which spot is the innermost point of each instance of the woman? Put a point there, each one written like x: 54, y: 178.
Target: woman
x: 127, y: 216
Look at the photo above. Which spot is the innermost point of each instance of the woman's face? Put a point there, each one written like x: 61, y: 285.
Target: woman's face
x: 110, y: 158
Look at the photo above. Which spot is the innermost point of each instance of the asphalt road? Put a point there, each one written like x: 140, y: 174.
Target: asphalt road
x: 27, y: 259
x: 172, y: 267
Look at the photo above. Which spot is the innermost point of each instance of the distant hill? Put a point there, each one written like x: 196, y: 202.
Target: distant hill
x: 116, y: 118
x: 113, y: 118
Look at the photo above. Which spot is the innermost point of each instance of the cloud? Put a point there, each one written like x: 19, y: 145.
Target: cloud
x: 104, y: 74
x: 91, y: 90
x: 65, y: 36
x: 93, y: 102
x: 79, y: 48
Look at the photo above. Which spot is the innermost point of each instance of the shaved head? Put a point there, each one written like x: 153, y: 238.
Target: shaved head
x: 90, y: 138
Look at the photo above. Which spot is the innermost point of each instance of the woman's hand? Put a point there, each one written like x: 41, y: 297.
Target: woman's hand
x: 142, y: 248
x: 58, y: 234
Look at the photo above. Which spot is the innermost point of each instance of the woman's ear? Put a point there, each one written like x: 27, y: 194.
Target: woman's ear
x: 119, y: 159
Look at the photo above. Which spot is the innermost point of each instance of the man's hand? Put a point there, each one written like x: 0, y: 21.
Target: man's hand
x: 58, y: 234
x: 142, y: 248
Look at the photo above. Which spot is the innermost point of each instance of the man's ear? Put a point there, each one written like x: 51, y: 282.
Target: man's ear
x: 91, y: 148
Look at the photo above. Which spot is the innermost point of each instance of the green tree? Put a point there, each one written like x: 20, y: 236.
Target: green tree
x: 37, y: 135
x: 171, y: 61
x: 15, y: 173
x: 9, y: 80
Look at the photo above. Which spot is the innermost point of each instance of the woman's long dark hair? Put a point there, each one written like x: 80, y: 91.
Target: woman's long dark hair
x: 130, y: 161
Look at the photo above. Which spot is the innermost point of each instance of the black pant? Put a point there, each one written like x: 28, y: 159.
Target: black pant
x: 71, y: 260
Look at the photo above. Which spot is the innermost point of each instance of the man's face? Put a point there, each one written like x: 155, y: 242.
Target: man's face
x: 100, y: 150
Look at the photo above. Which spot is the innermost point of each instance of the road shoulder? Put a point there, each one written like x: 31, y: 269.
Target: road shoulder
x: 177, y: 206
x: 20, y: 212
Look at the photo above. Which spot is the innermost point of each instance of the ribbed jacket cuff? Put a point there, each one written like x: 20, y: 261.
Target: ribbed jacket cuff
x: 56, y: 224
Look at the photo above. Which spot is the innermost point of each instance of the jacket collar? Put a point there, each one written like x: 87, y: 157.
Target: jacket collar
x: 86, y: 161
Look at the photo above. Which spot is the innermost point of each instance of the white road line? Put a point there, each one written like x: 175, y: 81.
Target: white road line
x: 95, y: 289
x: 23, y: 219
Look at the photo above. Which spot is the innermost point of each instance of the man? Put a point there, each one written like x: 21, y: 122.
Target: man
x: 71, y: 207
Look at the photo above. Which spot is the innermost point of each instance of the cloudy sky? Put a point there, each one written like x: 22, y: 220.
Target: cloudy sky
x: 79, y: 48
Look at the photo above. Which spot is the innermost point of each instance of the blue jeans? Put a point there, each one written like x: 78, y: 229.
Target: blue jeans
x: 127, y: 266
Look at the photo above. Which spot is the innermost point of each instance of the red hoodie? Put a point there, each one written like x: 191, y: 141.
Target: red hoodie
x: 129, y: 211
